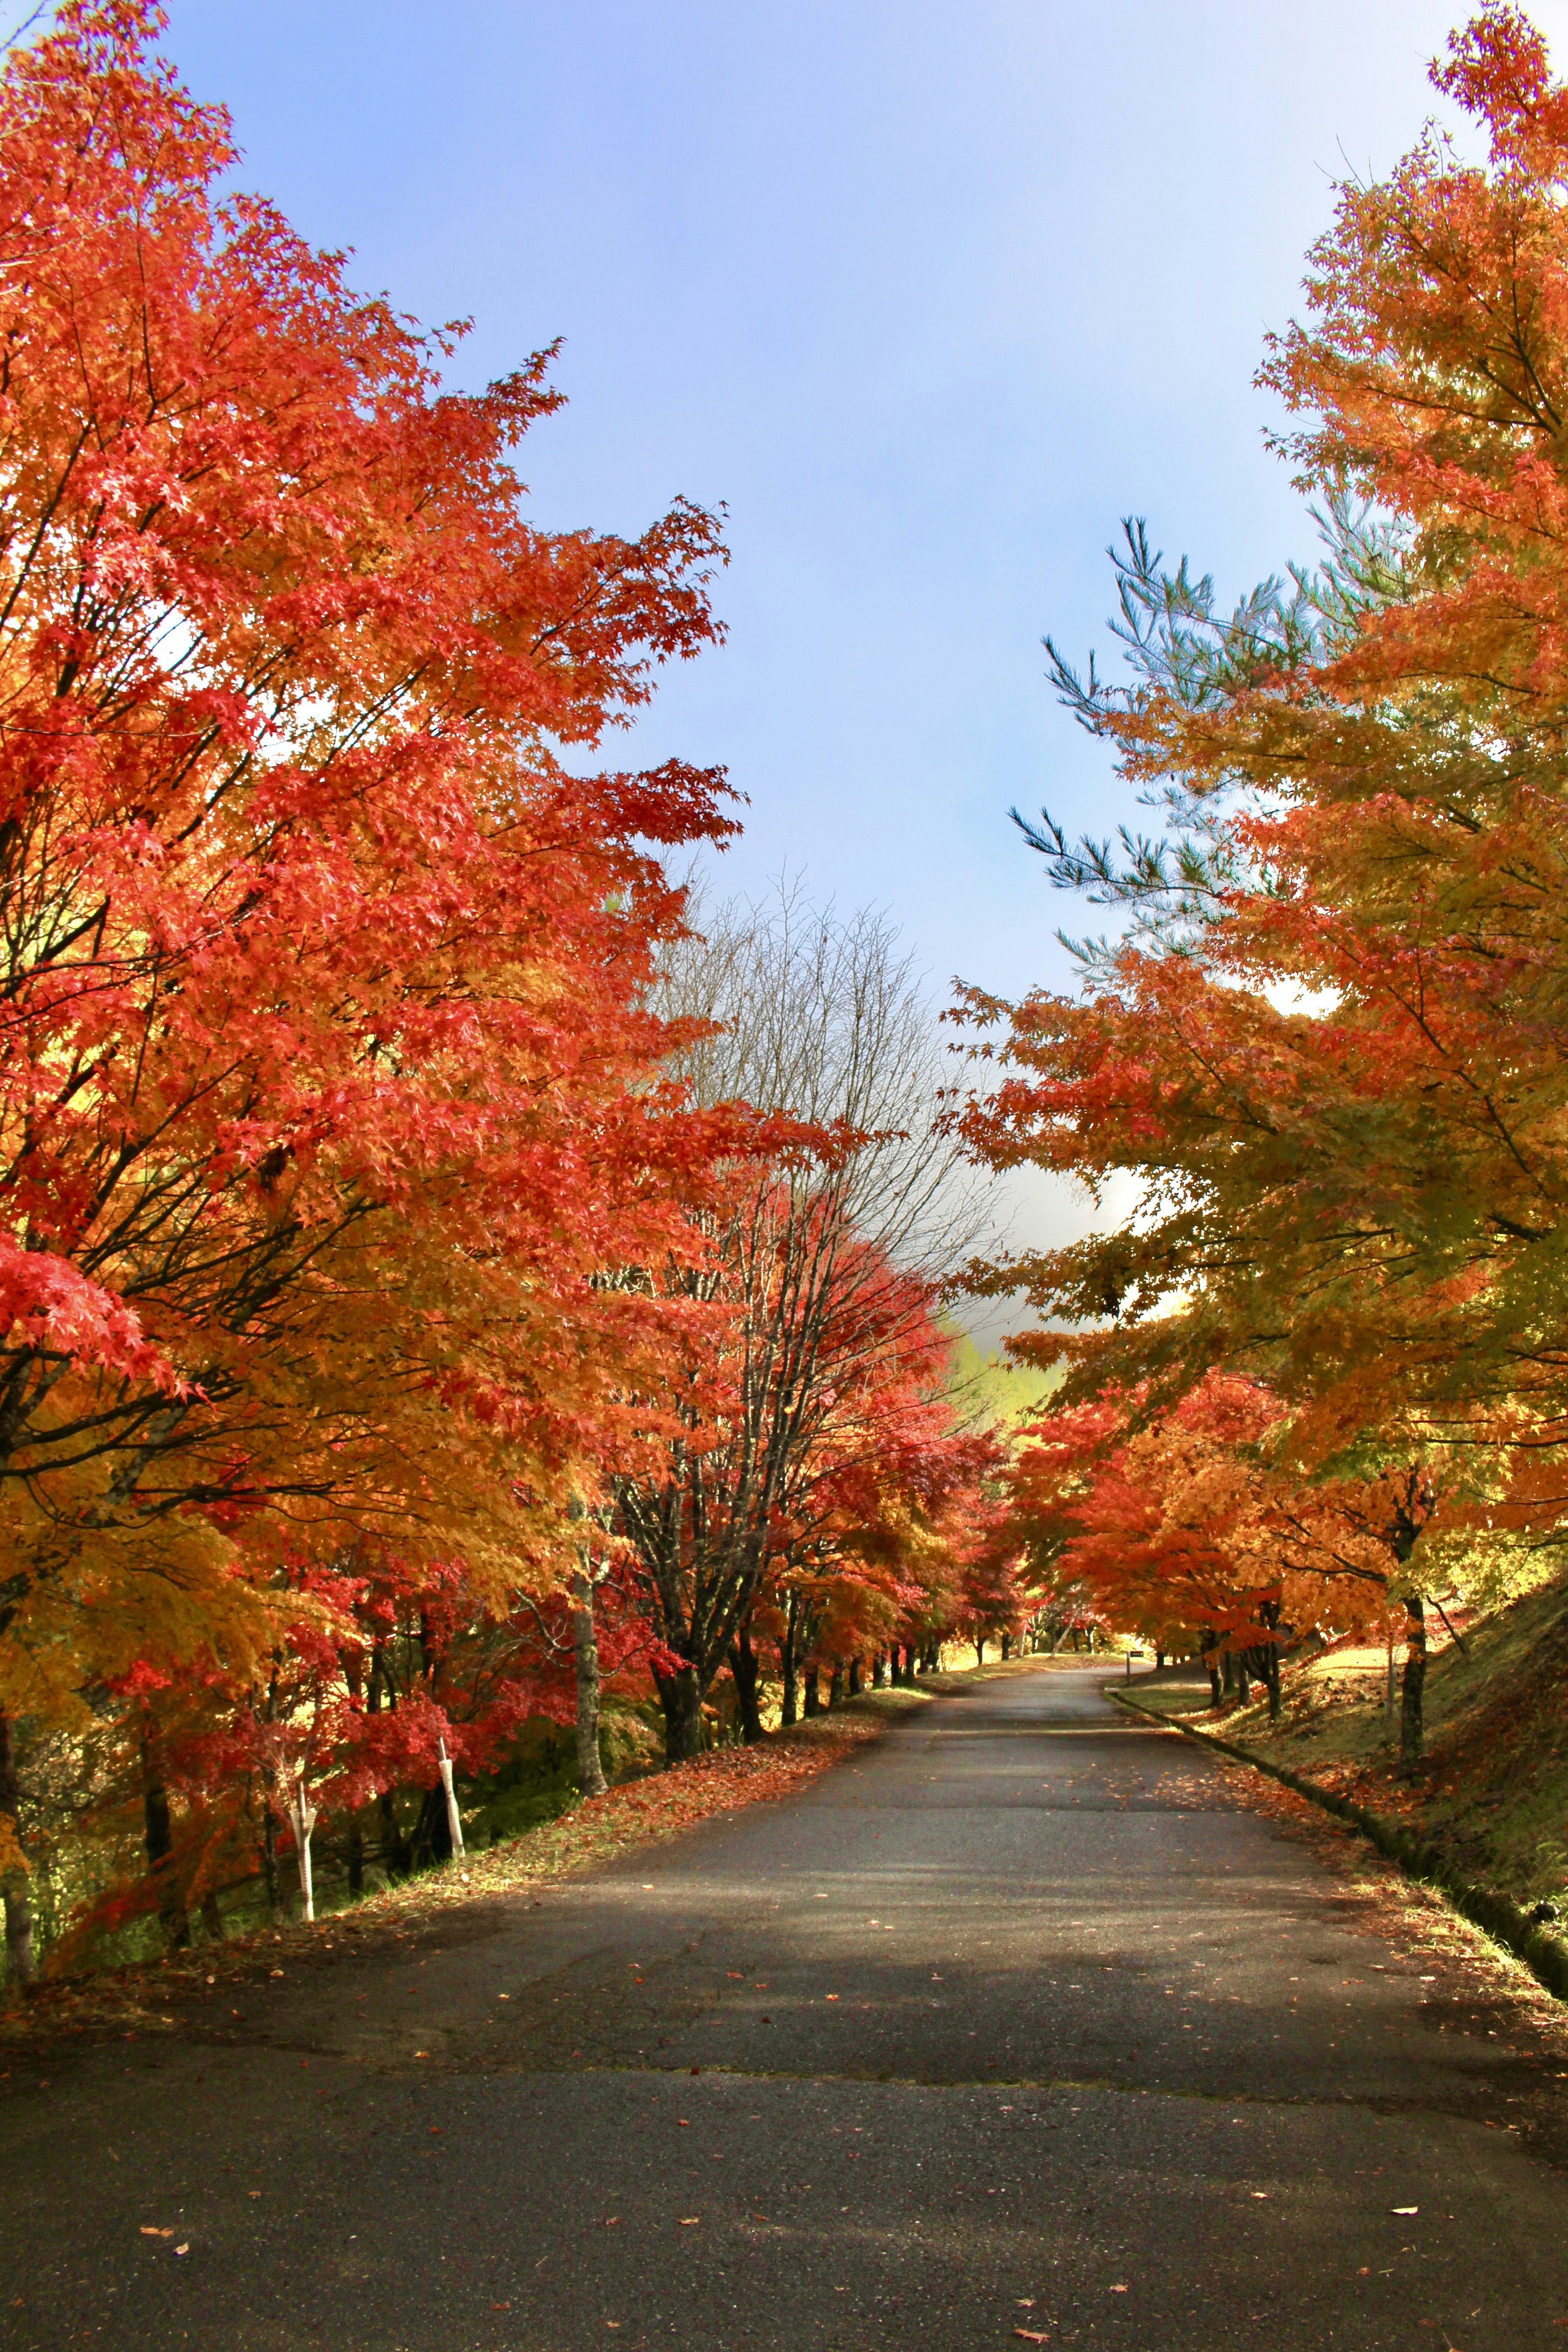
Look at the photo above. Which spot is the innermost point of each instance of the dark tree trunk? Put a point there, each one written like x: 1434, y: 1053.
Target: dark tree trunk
x: 432, y: 1840
x: 270, y: 1861
x: 158, y: 1836
x: 356, y: 1859
x: 395, y: 1857
x: 1270, y: 1661
x: 980, y: 1649
x: 1211, y: 1662
x: 836, y: 1684
x: 789, y: 1664
x: 19, y: 1959
x: 1007, y: 1647
x: 1243, y: 1679
x: 812, y: 1688
x: 1413, y: 1688
x: 212, y: 1917
x: 854, y: 1677
x: 746, y: 1669
x: 682, y: 1704
x: 879, y: 1671
x: 591, y: 1782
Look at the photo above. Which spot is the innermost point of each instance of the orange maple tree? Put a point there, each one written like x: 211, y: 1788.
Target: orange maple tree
x: 328, y: 1083
x: 1328, y: 1036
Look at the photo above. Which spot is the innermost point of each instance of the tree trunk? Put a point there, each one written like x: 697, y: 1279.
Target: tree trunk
x: 212, y: 1917
x: 1390, y: 1705
x: 158, y: 1837
x: 879, y: 1671
x: 1207, y: 1639
x: 432, y: 1839
x: 1243, y: 1679
x: 682, y: 1704
x: 270, y: 1862
x: 302, y: 1820
x: 789, y: 1664
x: 19, y: 1959
x: 812, y: 1690
x: 1007, y: 1647
x: 745, y: 1668
x: 836, y: 1684
x: 1411, y: 1727
x: 980, y: 1649
x: 394, y: 1854
x: 591, y: 1782
x: 356, y: 1859
x: 854, y: 1678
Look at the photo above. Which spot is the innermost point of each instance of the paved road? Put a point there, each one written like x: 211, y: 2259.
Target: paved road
x: 1021, y: 2019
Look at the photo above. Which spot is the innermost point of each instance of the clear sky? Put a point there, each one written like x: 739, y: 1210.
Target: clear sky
x: 929, y: 292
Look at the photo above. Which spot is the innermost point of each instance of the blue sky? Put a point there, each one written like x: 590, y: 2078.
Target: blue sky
x: 929, y: 292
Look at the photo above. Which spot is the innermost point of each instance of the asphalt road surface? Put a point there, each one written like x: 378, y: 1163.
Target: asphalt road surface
x: 1020, y: 2019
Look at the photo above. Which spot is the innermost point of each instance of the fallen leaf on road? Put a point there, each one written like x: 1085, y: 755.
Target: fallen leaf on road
x: 1118, y: 2290
x: 1031, y: 2336
x: 612, y: 2220
x: 689, y: 2220
x: 500, y: 2306
x: 151, y: 2230
x: 1404, y: 2208
x: 184, y: 2249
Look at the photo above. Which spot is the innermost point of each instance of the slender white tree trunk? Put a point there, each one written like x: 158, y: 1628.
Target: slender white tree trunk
x: 302, y: 1817
x: 591, y: 1782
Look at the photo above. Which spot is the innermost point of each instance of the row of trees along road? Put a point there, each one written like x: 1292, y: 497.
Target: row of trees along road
x: 415, y: 1314
x: 1319, y: 1378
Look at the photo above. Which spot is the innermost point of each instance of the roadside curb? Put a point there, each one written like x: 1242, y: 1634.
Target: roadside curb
x: 1544, y: 1955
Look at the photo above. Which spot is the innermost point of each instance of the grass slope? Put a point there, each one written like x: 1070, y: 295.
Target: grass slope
x: 1491, y: 1792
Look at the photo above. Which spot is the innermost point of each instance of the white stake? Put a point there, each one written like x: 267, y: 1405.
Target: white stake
x: 454, y: 1820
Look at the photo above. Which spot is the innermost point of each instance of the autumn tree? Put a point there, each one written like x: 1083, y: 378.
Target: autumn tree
x: 821, y: 1270
x: 328, y: 1075
x: 1326, y: 1032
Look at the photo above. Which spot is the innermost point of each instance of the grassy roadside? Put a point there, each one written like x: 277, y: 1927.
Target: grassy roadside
x: 637, y: 1815
x: 1485, y: 1814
